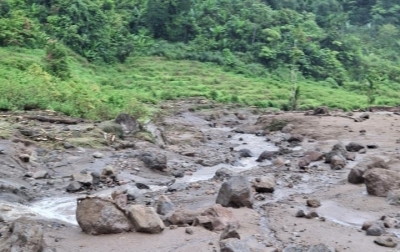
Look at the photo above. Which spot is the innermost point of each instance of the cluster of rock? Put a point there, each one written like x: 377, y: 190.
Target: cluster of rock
x: 378, y: 228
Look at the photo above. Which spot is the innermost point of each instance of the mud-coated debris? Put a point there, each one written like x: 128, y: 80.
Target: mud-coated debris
x: 233, y: 245
x: 74, y: 186
x: 98, y: 216
x: 376, y: 229
x: 26, y: 235
x: 229, y: 232
x: 300, y: 214
x: 97, y: 154
x: 145, y: 219
x: 355, y: 147
x: 313, y: 203
x: 236, y: 192
x: 386, y: 242
x: 245, y: 153
x: 189, y: 230
x: 380, y: 181
x: 164, y: 205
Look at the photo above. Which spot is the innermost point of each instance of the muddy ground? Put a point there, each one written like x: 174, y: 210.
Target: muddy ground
x: 198, y: 137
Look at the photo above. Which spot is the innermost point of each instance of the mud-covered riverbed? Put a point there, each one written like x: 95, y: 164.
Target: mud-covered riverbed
x: 197, y: 139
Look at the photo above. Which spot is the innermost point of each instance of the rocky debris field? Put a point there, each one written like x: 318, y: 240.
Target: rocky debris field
x: 203, y: 177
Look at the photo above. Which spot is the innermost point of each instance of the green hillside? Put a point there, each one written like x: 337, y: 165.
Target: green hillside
x: 96, y: 58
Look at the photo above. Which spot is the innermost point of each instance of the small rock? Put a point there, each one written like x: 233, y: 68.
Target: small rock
x: 267, y: 155
x: 164, y: 205
x: 98, y: 155
x: 233, y: 245
x: 366, y: 225
x: 376, y: 229
x: 264, y: 184
x: 74, y: 186
x: 313, y: 203
x: 229, y: 232
x: 372, y: 146
x: 172, y: 227
x: 295, y: 138
x: 337, y: 162
x: 311, y: 215
x: 393, y: 197
x: 385, y: 242
x: 354, y: 147
x: 355, y: 176
x: 304, y: 162
x: 245, y: 153
x: 188, y: 230
x: 142, y: 186
x: 300, y: 214
x: 40, y: 174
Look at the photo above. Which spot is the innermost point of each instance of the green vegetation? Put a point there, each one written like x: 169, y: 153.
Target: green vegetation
x: 97, y: 58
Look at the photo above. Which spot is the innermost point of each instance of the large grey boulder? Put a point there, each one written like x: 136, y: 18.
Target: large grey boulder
x: 380, y: 181
x: 98, y: 216
x: 26, y: 235
x: 236, y: 192
x: 145, y: 219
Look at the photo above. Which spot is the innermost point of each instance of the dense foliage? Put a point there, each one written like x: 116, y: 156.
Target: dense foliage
x: 348, y: 43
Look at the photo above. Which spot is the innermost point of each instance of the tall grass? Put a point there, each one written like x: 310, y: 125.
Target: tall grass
x: 102, y: 91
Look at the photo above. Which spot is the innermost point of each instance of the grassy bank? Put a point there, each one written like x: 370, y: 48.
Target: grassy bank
x: 100, y: 92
